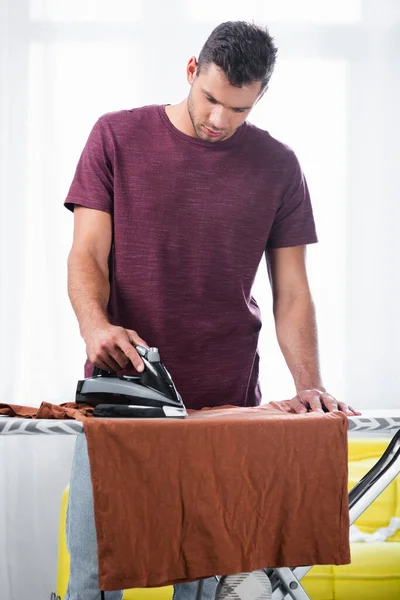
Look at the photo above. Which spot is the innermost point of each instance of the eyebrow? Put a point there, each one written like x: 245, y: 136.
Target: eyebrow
x: 232, y: 107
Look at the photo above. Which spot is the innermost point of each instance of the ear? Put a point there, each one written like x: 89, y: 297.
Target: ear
x: 191, y: 69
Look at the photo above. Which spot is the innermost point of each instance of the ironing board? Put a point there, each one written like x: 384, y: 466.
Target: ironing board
x: 370, y: 421
x: 285, y: 581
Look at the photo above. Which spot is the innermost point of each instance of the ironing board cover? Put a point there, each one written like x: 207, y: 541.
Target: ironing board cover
x: 370, y: 421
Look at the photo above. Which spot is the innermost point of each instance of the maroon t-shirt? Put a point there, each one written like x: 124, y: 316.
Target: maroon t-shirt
x: 191, y: 221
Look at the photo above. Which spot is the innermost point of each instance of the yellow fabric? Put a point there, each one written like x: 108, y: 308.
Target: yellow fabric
x: 363, y: 454
x: 375, y: 568
x: 164, y: 593
x: 63, y: 556
x: 373, y: 574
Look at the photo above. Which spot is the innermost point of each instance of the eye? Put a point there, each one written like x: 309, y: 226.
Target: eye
x: 211, y: 100
x: 239, y: 110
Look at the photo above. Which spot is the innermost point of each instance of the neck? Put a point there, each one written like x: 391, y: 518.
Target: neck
x: 178, y: 114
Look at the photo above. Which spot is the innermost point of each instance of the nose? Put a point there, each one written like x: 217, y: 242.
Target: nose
x: 219, y: 118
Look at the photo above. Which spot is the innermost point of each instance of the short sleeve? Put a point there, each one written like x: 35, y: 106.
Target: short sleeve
x: 92, y: 185
x: 294, y: 220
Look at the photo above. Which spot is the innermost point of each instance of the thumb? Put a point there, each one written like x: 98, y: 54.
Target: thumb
x: 282, y: 405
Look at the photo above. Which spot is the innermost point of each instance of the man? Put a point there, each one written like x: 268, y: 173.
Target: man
x: 174, y: 207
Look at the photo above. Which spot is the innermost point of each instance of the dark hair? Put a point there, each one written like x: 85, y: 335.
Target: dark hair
x: 244, y: 51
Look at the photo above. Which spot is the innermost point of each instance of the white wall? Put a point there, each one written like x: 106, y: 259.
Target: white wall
x: 334, y: 98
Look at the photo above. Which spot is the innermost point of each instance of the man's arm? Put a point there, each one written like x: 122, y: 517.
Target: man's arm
x: 88, y: 285
x: 294, y: 314
x: 107, y: 346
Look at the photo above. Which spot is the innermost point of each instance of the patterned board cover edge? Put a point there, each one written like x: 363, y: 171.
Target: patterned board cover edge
x: 374, y: 423
x: 12, y: 426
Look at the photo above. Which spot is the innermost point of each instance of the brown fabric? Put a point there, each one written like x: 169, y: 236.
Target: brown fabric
x: 46, y: 410
x: 226, y: 490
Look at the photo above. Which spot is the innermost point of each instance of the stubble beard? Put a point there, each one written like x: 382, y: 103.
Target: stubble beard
x: 191, y: 114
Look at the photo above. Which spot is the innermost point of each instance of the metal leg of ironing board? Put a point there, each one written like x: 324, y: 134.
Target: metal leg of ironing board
x: 290, y: 584
x: 376, y: 480
x: 199, y: 591
x: 360, y: 497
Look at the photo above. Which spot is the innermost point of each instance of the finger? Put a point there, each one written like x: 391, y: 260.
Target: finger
x: 132, y: 354
x: 283, y: 405
x: 119, y: 357
x: 102, y: 365
x: 107, y: 352
x: 346, y: 409
x: 135, y: 338
x: 108, y: 360
x: 329, y: 402
x: 100, y: 359
x: 314, y: 402
x: 106, y: 363
x: 355, y: 412
x: 297, y: 405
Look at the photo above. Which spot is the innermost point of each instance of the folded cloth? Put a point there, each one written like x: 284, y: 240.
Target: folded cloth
x: 68, y: 410
x: 225, y: 490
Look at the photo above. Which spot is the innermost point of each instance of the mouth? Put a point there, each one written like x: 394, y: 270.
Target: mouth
x: 212, y: 133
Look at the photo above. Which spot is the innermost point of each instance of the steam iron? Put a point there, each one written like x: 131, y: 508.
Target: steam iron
x: 150, y: 394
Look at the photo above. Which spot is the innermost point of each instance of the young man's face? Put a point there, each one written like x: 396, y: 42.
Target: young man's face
x: 217, y: 108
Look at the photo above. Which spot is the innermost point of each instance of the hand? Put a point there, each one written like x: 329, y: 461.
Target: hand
x: 111, y: 348
x: 314, y: 400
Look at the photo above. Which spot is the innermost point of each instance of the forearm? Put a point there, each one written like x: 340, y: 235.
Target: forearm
x: 296, y: 330
x: 88, y: 290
